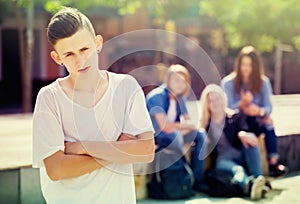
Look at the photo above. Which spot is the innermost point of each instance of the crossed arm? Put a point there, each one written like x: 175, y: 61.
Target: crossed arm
x: 86, y: 156
x: 127, y: 149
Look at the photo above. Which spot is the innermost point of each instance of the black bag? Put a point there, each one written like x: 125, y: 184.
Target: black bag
x: 220, y: 184
x: 174, y: 182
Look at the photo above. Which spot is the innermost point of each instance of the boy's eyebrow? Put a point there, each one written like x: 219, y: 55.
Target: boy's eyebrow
x: 69, y: 52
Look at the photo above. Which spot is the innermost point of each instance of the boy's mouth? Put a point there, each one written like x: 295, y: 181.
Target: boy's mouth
x: 83, y: 70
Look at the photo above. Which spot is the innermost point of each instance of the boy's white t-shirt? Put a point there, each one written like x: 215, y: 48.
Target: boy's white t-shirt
x: 58, y: 119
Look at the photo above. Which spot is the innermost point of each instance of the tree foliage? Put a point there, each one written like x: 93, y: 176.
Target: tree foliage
x: 260, y: 23
x: 4, y: 8
x: 123, y: 6
x: 161, y: 10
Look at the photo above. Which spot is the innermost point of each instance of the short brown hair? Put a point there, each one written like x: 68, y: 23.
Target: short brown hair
x: 66, y: 23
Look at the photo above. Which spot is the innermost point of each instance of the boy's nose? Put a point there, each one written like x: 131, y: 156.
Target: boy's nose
x: 80, y: 61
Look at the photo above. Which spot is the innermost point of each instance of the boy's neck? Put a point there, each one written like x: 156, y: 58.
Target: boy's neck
x: 86, y: 83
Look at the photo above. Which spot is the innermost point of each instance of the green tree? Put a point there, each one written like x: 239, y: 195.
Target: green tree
x: 161, y: 10
x: 24, y: 13
x: 124, y: 7
x: 263, y: 24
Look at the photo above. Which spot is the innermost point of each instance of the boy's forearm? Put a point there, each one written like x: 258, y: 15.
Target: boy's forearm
x: 61, y: 166
x: 127, y: 151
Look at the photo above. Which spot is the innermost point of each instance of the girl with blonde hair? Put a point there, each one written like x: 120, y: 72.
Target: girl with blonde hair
x: 237, y: 150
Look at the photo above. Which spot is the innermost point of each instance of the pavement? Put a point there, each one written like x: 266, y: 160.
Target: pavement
x: 15, y: 141
x: 285, y: 191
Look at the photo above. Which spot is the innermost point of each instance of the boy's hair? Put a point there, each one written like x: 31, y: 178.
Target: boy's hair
x: 66, y: 23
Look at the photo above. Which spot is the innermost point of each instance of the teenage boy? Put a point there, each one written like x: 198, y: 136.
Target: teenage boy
x: 90, y: 126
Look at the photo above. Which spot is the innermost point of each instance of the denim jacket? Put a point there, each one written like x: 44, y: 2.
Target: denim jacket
x: 158, y: 102
x: 262, y: 98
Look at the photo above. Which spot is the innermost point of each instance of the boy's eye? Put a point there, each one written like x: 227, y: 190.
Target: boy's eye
x: 69, y: 54
x: 84, y: 49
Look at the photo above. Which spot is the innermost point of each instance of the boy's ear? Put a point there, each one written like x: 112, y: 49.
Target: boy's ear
x: 99, y: 41
x: 55, y: 57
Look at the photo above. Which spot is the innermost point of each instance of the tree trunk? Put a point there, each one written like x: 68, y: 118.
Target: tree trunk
x: 21, y: 41
x: 25, y: 55
x: 27, y: 84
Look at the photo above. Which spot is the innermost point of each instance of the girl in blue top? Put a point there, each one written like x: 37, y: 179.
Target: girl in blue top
x: 249, y: 90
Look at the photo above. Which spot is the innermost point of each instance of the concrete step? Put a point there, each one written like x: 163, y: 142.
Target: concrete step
x: 20, y: 186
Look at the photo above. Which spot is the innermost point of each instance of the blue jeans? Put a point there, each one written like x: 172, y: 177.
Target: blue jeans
x: 270, y: 140
x: 174, y: 142
x: 268, y: 130
x: 248, y: 162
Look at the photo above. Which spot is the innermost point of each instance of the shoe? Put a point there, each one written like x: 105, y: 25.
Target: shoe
x: 200, y: 187
x: 267, y: 188
x: 257, y: 188
x: 268, y: 185
x: 277, y: 170
x: 265, y: 191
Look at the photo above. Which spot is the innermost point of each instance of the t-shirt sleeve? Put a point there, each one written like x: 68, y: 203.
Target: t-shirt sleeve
x: 137, y: 119
x: 48, y: 136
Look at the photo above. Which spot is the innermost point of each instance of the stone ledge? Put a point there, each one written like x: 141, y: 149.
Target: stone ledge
x: 289, y: 151
x: 20, y: 186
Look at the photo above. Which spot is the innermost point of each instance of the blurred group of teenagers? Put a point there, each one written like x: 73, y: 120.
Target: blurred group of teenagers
x: 233, y: 115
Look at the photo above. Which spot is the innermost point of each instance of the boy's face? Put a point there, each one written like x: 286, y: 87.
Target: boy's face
x: 78, y: 53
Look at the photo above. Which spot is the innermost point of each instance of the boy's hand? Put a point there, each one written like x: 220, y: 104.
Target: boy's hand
x: 74, y: 148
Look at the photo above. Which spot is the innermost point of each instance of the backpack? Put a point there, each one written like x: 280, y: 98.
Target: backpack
x: 173, y: 182
x: 220, y: 184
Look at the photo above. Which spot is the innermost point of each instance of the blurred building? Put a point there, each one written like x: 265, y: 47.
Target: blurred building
x: 204, y: 31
